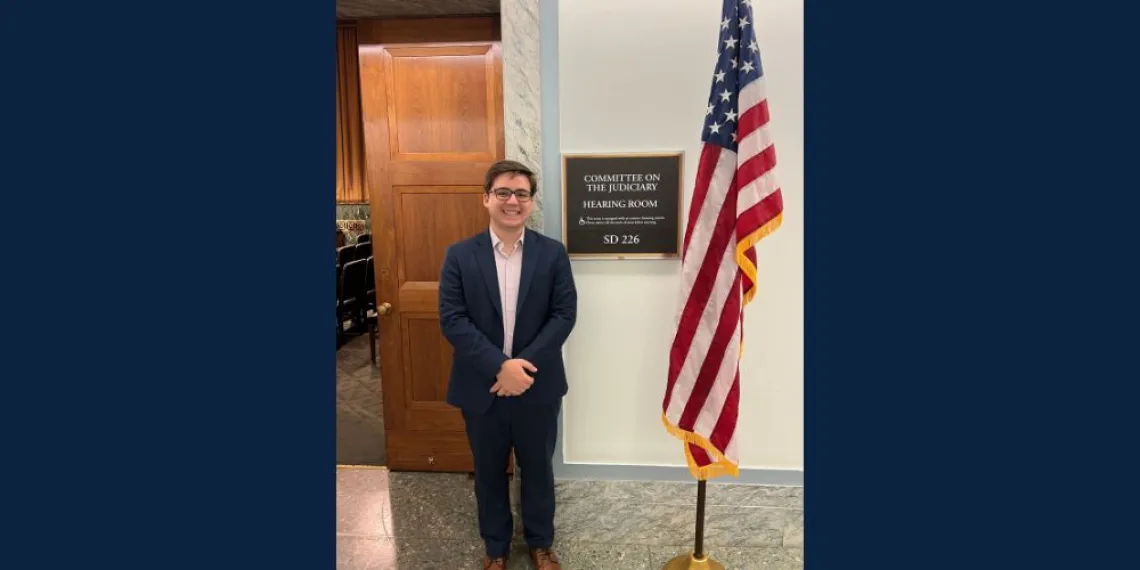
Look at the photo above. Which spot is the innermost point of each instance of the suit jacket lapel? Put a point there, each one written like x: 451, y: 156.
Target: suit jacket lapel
x: 530, y: 253
x: 486, y: 262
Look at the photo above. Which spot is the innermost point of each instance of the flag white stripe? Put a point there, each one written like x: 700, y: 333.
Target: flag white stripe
x: 756, y: 191
x: 706, y: 222
x: 754, y: 143
x: 751, y: 95
x: 702, y: 232
x: 725, y: 376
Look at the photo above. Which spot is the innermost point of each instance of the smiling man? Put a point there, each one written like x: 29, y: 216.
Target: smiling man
x: 507, y: 303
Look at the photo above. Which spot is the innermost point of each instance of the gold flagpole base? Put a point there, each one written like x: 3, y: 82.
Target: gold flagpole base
x: 690, y: 562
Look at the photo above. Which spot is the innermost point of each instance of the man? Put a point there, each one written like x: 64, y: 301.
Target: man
x: 507, y: 303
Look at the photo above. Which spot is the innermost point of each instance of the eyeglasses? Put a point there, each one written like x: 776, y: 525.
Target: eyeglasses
x: 504, y: 194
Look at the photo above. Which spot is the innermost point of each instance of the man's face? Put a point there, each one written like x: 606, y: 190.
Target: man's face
x: 511, y: 212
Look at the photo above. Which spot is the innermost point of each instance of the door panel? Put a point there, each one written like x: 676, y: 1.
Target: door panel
x: 428, y: 222
x: 443, y: 103
x: 427, y: 358
x: 432, y: 118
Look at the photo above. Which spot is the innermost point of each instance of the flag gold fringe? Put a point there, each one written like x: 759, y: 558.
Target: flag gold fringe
x: 720, y: 466
x: 746, y: 264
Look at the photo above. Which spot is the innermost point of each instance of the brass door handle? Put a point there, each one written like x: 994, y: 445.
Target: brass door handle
x: 384, y: 308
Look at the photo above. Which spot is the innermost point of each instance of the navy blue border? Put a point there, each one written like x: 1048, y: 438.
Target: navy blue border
x: 170, y: 368
x: 169, y: 376
x: 964, y: 358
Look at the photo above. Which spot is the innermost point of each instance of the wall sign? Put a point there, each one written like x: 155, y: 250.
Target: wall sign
x: 620, y: 206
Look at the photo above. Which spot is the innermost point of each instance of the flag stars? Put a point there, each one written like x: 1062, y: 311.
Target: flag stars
x: 735, y: 68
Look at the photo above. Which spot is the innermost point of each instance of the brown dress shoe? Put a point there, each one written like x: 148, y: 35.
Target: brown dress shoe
x: 545, y: 559
x: 494, y: 563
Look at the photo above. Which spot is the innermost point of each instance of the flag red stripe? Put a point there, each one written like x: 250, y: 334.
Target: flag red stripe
x: 710, y: 368
x: 726, y: 424
x: 756, y: 166
x: 752, y: 119
x: 710, y: 155
x: 699, y: 456
x: 746, y: 283
x: 755, y: 218
x: 759, y: 214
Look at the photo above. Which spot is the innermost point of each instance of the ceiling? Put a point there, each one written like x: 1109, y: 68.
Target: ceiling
x: 350, y: 9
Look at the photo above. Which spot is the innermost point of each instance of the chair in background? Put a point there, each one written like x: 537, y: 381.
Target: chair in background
x: 357, y: 300
x: 339, y: 322
x: 364, y: 250
x: 345, y: 255
x: 371, y: 314
x: 370, y: 283
x: 351, y: 306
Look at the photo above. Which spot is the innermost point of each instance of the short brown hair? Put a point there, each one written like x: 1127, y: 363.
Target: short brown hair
x: 508, y: 167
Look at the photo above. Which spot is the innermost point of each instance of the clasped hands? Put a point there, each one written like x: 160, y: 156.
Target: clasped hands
x: 512, y: 379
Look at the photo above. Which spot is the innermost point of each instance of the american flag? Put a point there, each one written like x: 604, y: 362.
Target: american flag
x: 736, y: 202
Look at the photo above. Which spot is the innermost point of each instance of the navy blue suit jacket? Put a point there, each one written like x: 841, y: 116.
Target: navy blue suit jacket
x: 471, y: 316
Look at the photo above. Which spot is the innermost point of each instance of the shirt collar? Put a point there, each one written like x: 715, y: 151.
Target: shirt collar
x: 496, y: 242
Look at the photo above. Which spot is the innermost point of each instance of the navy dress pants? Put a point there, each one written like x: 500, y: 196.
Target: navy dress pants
x: 531, y: 429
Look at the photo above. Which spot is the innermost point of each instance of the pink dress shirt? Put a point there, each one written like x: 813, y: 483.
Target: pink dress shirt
x: 509, y: 269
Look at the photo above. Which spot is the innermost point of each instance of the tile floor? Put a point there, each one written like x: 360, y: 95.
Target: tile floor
x: 396, y: 521
x: 359, y: 406
x: 402, y: 521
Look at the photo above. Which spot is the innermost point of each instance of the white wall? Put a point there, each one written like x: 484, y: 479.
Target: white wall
x: 634, y: 75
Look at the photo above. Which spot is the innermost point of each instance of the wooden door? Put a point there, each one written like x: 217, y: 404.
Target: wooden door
x: 432, y: 116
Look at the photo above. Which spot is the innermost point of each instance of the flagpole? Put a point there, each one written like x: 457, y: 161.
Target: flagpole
x: 697, y: 559
x: 699, y: 550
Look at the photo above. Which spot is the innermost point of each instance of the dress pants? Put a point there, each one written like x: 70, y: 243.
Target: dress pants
x: 532, y: 430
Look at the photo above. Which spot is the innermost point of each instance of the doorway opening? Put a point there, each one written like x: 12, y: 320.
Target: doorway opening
x: 419, y: 119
